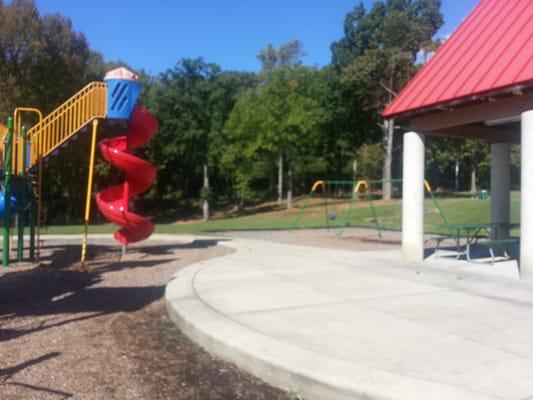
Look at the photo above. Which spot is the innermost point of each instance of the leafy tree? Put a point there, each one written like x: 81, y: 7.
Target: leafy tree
x: 475, y: 152
x: 42, y: 59
x: 369, y: 161
x: 283, y: 103
x: 280, y: 118
x: 451, y: 161
x: 192, y: 102
x: 242, y: 158
x: 348, y: 124
x: 380, y: 48
x: 286, y: 56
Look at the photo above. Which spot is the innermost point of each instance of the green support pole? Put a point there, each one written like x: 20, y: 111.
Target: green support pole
x: 20, y: 217
x: 374, y: 214
x: 348, y: 212
x: 20, y: 235
x: 296, y: 221
x: 33, y: 218
x: 7, y: 191
x: 437, y: 205
x: 326, y: 206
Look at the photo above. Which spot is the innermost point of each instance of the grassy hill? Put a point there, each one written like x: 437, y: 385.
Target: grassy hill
x: 318, y: 213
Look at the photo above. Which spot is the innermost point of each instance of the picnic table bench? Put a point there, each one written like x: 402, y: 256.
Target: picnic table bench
x: 472, y: 233
x: 499, y: 243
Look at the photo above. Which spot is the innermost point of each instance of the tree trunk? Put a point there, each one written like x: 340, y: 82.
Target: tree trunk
x: 289, y: 184
x: 473, y: 184
x: 388, y: 137
x: 456, y: 174
x: 354, y: 169
x: 205, y: 203
x: 280, y: 179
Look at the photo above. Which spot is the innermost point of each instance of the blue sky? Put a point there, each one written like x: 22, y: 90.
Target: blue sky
x: 155, y: 34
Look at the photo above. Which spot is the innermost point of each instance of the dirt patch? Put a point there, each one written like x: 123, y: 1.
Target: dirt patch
x: 104, y: 333
x: 360, y: 239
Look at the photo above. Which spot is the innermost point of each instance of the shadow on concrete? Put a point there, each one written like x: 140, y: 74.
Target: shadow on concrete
x: 195, y: 244
x: 381, y: 240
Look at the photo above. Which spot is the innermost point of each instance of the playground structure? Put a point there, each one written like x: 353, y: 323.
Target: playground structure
x: 343, y: 194
x: 24, y: 151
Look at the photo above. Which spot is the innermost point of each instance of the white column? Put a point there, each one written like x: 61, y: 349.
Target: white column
x: 500, y: 186
x: 526, y: 197
x: 413, y: 197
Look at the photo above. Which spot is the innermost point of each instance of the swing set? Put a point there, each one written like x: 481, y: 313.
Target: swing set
x: 338, y: 214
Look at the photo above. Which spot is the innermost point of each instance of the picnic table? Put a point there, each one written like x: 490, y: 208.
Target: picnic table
x: 472, y: 232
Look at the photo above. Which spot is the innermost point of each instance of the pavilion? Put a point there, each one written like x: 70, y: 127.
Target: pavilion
x: 479, y: 84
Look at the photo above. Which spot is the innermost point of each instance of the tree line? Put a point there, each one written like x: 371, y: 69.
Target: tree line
x: 230, y: 138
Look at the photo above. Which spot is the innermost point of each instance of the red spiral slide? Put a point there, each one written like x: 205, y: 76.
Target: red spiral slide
x: 140, y: 174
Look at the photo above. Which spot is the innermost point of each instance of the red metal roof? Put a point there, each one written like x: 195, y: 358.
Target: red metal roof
x: 490, y: 51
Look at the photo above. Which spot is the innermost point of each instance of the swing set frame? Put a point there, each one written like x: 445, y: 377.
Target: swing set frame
x: 361, y: 188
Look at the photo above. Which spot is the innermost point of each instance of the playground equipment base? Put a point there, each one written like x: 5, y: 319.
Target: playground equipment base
x: 333, y: 324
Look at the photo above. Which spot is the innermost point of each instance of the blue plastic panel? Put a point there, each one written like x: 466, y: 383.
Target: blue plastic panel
x: 122, y: 95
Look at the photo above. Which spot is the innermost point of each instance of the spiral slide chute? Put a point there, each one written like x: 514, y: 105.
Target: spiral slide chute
x: 140, y: 174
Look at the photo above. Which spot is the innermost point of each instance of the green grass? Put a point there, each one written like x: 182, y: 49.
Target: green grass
x: 456, y: 210
x: 76, y: 229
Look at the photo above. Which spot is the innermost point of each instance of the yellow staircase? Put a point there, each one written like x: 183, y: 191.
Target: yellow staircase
x: 57, y: 127
x: 61, y: 124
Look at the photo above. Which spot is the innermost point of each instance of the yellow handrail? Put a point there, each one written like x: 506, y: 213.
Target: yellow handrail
x: 66, y: 120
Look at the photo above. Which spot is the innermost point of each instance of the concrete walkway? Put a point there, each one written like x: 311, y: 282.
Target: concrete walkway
x: 333, y: 324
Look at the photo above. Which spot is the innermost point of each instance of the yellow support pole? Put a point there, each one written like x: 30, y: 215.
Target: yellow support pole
x: 17, y: 119
x: 89, y: 191
x: 426, y: 184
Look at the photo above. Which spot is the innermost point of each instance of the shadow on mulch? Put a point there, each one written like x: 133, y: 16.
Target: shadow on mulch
x: 167, y: 362
x: 7, y: 373
x: 57, y: 286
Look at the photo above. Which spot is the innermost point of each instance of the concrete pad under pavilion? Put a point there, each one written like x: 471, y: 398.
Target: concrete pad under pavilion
x: 502, y: 123
x: 478, y: 85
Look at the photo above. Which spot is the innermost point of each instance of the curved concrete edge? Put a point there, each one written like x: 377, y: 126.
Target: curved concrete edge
x: 250, y: 351
x: 295, y: 369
